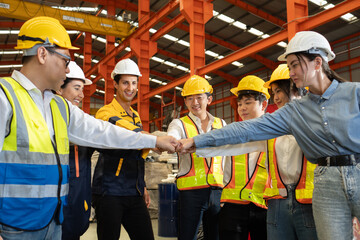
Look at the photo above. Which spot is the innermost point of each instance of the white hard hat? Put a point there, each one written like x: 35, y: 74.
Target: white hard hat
x: 77, y: 73
x: 310, y: 42
x: 126, y: 66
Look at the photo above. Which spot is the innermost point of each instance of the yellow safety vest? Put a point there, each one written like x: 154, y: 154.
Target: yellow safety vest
x: 35, y: 184
x: 200, y: 174
x: 242, y: 188
x: 305, y: 186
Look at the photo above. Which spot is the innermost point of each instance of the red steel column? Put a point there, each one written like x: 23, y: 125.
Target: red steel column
x: 197, y: 13
x: 86, y: 66
x: 107, y: 69
x: 297, y: 11
x: 144, y: 49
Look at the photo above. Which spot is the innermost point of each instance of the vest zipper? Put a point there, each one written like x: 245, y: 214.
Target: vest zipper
x: 58, y: 207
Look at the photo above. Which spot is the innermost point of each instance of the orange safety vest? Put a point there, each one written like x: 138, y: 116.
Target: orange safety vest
x: 200, y: 174
x: 304, y: 187
x: 243, y: 188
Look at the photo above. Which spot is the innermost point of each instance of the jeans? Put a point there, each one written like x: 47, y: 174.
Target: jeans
x: 288, y: 219
x: 131, y: 212
x: 336, y: 201
x: 236, y: 221
x: 196, y: 206
x: 51, y: 232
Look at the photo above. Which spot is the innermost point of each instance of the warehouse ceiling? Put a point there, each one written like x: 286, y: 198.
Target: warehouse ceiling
x: 235, y: 24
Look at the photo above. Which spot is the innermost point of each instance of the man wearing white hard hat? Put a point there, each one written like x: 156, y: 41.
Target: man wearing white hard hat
x: 77, y: 210
x: 119, y: 191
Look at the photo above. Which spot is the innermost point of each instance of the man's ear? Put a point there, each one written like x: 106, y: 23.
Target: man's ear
x: 42, y: 55
x: 264, y: 105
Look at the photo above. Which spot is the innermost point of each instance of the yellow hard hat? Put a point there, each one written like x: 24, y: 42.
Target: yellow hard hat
x: 196, y: 85
x: 43, y: 30
x: 252, y: 83
x: 280, y: 73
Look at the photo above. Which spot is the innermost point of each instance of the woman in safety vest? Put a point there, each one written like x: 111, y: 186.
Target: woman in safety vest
x: 77, y: 210
x: 326, y: 125
x: 290, y: 185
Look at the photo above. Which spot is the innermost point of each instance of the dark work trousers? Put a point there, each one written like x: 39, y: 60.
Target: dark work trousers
x: 196, y: 206
x: 236, y: 221
x: 130, y: 211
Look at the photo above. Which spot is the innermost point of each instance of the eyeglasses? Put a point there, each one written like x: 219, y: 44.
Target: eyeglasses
x: 67, y: 58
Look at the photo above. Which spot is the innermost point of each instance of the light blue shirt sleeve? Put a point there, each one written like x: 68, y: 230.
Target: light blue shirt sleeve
x: 326, y: 125
x: 265, y: 127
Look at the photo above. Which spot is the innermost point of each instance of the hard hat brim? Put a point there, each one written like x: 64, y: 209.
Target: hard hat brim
x: 87, y: 82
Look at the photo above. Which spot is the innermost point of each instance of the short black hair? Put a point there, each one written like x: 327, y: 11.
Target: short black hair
x: 289, y: 88
x: 258, y: 96
x: 117, y: 77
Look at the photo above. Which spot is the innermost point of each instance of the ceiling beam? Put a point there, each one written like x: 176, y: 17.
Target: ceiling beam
x: 69, y: 19
x: 311, y: 22
x: 162, y: 13
x: 121, y: 4
x: 176, y: 22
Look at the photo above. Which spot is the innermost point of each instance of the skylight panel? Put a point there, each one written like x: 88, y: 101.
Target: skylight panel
x: 238, y: 64
x: 282, y: 44
x: 225, y: 18
x: 171, y: 38
x: 349, y: 17
x: 170, y: 64
x: 156, y: 59
x: 256, y: 32
x: 184, y: 43
x: 239, y: 25
x: 211, y: 53
x: 182, y: 68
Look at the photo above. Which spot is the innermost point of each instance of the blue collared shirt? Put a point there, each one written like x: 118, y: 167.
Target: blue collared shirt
x: 326, y: 125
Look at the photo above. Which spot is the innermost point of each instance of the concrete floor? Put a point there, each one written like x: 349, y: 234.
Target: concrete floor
x: 91, y: 233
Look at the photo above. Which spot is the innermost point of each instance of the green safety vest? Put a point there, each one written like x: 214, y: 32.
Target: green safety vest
x: 305, y: 186
x: 201, y: 175
x: 243, y: 188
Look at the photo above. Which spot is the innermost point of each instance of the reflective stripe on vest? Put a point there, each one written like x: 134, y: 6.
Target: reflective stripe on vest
x: 33, y: 180
x: 275, y: 187
x: 200, y: 175
x: 243, y: 188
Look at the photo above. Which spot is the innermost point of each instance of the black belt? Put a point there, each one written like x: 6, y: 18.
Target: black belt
x: 341, y: 160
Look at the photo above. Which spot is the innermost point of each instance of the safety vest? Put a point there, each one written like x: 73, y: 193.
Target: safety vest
x: 244, y: 188
x: 200, y: 174
x: 304, y: 187
x: 33, y: 171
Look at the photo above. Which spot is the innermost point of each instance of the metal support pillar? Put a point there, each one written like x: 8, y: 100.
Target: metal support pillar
x: 144, y: 49
x: 197, y: 13
x: 107, y: 69
x: 234, y: 105
x: 297, y: 11
x: 86, y: 66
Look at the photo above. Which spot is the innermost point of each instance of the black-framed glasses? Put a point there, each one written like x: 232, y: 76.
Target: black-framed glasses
x: 67, y: 59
